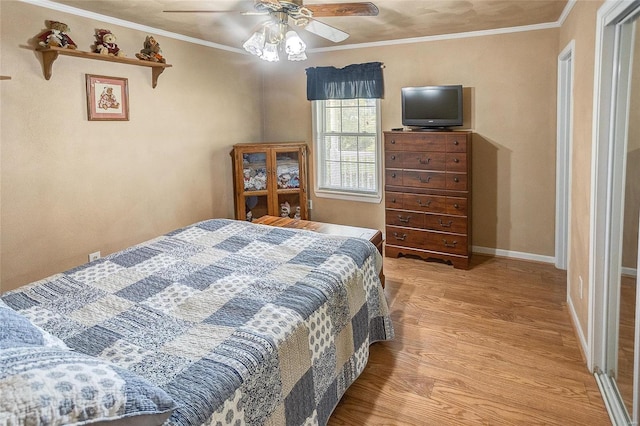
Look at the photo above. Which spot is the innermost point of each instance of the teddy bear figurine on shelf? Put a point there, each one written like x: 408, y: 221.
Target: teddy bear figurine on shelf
x: 106, y: 44
x: 151, y: 51
x: 56, y: 36
x: 285, y: 209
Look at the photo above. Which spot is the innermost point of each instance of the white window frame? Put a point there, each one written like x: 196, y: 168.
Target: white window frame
x: 318, y: 116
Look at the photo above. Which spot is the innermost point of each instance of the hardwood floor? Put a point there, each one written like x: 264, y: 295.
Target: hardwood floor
x: 493, y: 345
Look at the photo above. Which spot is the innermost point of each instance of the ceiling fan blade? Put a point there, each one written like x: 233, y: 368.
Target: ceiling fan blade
x: 343, y: 9
x: 244, y: 13
x: 200, y: 11
x: 326, y: 31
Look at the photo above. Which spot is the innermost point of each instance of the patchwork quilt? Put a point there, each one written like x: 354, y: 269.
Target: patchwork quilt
x: 238, y: 323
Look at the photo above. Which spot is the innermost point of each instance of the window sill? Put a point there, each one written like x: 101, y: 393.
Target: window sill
x: 348, y: 196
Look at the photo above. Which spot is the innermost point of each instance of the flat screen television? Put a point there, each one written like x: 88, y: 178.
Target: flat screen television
x: 432, y: 107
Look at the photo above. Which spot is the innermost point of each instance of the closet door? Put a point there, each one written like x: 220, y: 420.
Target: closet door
x: 617, y: 211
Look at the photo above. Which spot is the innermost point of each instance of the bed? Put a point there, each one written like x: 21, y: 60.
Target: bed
x: 220, y: 322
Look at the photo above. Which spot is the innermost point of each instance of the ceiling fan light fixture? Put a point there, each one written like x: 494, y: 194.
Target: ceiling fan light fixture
x: 270, y: 52
x: 256, y: 43
x: 294, y: 44
x: 297, y: 57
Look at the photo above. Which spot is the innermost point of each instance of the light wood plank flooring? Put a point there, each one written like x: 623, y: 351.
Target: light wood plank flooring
x: 493, y: 345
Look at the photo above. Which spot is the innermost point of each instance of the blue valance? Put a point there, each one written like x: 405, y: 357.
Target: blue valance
x: 350, y: 82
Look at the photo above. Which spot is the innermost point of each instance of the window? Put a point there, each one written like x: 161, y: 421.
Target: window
x: 347, y: 149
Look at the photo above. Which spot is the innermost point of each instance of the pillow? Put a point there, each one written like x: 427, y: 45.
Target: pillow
x: 18, y: 331
x: 52, y: 386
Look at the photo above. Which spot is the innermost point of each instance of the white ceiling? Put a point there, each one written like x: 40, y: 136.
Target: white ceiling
x: 398, y: 19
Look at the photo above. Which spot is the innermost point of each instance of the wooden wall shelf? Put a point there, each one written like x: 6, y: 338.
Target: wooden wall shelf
x: 50, y: 54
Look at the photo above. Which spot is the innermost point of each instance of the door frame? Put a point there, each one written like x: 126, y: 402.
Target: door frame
x: 564, y: 150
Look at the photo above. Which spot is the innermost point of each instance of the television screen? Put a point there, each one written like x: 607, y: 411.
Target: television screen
x: 432, y: 106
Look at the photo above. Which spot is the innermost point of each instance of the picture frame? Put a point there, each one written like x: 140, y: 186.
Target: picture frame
x: 107, y: 98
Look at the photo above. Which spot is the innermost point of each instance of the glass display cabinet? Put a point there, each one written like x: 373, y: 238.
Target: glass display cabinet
x: 270, y: 179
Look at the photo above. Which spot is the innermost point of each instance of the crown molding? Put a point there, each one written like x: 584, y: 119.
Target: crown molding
x: 144, y: 28
x: 482, y: 33
x: 128, y: 24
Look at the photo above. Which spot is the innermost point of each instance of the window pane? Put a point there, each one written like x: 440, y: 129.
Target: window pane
x: 367, y: 102
x: 332, y: 148
x: 333, y: 120
x: 367, y: 149
x: 367, y: 177
x: 349, y: 102
x: 350, y: 175
x: 367, y: 120
x: 332, y: 174
x: 350, y: 120
x: 349, y: 148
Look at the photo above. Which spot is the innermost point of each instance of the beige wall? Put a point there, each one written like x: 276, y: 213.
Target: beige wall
x: 71, y: 186
x: 580, y: 26
x: 510, y: 90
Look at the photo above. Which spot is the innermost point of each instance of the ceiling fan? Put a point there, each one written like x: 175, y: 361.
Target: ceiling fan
x: 292, y: 13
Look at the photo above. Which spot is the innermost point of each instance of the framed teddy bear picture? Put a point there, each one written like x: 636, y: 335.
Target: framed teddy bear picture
x: 107, y: 98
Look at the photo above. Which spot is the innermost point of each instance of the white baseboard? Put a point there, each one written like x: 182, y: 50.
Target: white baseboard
x: 513, y: 254
x: 576, y: 325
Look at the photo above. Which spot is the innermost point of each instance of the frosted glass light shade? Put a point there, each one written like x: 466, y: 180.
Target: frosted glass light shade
x: 255, y: 44
x: 270, y: 52
x: 294, y: 44
x: 299, y: 57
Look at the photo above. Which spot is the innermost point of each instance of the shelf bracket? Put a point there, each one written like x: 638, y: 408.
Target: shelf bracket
x: 155, y: 73
x: 48, y: 58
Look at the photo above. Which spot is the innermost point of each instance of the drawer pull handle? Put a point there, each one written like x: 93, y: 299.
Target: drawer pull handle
x: 456, y: 206
x: 456, y: 142
x: 393, y: 200
x: 393, y: 157
x: 424, y: 161
x: 426, y: 204
x: 456, y: 180
x: 426, y: 180
x: 456, y: 160
x: 445, y: 225
x: 451, y: 244
x: 404, y: 219
x: 393, y: 141
x: 393, y: 175
x: 398, y: 237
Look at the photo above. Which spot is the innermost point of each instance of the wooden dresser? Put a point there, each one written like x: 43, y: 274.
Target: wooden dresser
x: 428, y: 195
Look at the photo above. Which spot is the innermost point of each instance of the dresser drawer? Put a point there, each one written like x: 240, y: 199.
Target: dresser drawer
x: 424, y: 160
x: 456, y: 206
x: 404, y: 218
x: 456, y: 181
x: 456, y: 162
x: 433, y: 180
x: 456, y: 143
x: 415, y: 142
x: 393, y: 177
x: 393, y: 200
x: 393, y: 159
x: 425, y: 203
x: 436, y: 241
x: 455, y: 224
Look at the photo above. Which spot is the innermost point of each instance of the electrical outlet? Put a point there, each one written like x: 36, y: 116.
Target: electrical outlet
x: 310, y: 204
x: 94, y: 256
x: 581, y: 286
